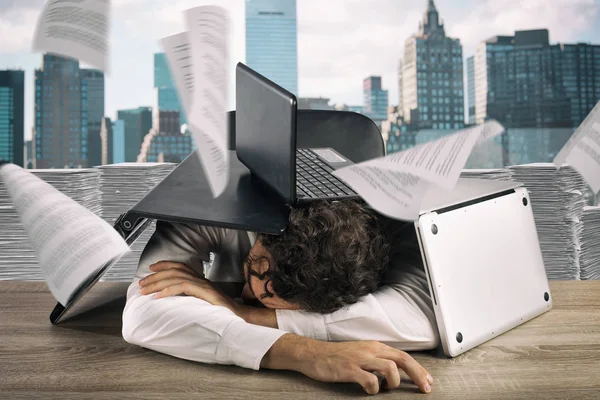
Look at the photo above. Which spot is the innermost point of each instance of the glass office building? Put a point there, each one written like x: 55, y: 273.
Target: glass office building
x: 432, y: 76
x: 580, y: 70
x: 61, y: 130
x: 525, y: 82
x: 166, y: 97
x: 12, y: 116
x: 271, y: 41
x: 92, y: 88
x: 137, y: 123
x: 375, y: 99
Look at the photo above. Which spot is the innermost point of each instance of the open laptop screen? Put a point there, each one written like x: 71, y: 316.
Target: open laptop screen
x: 266, y: 131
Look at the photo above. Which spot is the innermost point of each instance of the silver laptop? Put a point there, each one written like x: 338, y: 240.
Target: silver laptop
x: 483, y: 261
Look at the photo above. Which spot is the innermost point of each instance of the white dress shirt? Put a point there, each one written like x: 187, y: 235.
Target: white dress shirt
x: 399, y: 314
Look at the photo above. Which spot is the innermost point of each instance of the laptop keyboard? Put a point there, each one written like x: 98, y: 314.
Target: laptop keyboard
x: 314, y: 178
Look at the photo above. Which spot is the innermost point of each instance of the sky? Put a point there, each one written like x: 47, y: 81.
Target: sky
x: 340, y: 42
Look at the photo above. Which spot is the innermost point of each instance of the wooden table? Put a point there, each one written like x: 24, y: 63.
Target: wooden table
x: 556, y: 356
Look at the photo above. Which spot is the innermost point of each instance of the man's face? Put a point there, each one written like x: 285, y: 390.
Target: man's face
x: 257, y: 275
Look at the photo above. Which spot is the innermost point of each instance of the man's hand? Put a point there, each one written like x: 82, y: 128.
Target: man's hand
x: 346, y: 362
x: 173, y: 278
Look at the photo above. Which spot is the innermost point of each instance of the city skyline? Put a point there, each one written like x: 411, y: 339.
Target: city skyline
x: 328, y: 40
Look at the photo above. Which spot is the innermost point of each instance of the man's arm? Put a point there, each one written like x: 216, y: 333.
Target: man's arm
x: 184, y: 326
x: 192, y: 329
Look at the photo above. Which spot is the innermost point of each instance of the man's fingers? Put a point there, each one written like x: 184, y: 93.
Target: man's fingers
x: 167, y: 274
x: 367, y: 380
x: 180, y: 288
x: 413, y: 369
x: 161, y: 284
x: 387, y: 368
x: 163, y: 265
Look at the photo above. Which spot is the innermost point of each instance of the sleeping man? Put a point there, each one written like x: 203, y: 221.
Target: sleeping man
x: 339, y: 295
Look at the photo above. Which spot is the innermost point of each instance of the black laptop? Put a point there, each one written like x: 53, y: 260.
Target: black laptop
x: 266, y: 144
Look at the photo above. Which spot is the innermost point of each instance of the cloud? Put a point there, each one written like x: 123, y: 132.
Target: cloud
x: 17, y: 26
x: 341, y: 42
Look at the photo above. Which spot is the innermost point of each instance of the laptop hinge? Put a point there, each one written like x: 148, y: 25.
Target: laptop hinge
x: 475, y: 201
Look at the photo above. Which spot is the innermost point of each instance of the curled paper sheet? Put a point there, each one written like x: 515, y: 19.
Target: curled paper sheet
x: 71, y: 242
x: 75, y: 28
x: 395, y: 184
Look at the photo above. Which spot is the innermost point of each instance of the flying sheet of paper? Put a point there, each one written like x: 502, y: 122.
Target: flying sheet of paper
x: 394, y: 194
x: 75, y: 28
x: 208, y: 33
x: 585, y: 156
x: 71, y: 242
x: 179, y: 57
x: 592, y: 117
x: 395, y: 184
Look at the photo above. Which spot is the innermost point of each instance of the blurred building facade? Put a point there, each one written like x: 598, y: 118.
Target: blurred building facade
x: 118, y: 132
x: 165, y: 91
x: 523, y: 81
x: 92, y: 85
x: 113, y: 141
x: 271, y: 41
x: 471, y: 90
x: 432, y: 76
x: 137, y: 123
x: 107, y: 141
x: 29, y: 155
x: 350, y: 108
x: 166, y: 141
x: 400, y: 105
x: 12, y: 116
x: 62, y: 112
x: 314, y: 103
x: 375, y: 100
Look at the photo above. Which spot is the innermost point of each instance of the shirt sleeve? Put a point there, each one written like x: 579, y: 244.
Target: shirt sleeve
x: 184, y: 326
x: 399, y: 314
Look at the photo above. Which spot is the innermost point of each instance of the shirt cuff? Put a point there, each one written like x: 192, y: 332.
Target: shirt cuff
x: 246, y: 344
x: 302, y: 323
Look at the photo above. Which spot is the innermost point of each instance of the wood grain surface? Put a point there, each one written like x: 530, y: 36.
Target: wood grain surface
x: 555, y: 356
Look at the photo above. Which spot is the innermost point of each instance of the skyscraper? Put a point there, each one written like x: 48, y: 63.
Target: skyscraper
x: 137, y: 123
x: 92, y: 89
x: 580, y: 65
x: 400, y: 108
x: 375, y: 99
x: 12, y: 116
x: 61, y: 130
x: 271, y: 41
x: 519, y: 82
x: 166, y: 98
x: 432, y: 76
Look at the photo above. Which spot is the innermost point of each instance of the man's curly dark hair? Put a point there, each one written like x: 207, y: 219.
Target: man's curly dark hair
x: 330, y: 255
